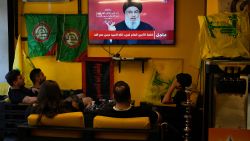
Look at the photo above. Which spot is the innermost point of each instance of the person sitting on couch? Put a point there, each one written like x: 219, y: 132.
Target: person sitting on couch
x: 18, y: 93
x: 50, y: 102
x: 123, y: 107
x: 182, y: 81
x: 37, y: 77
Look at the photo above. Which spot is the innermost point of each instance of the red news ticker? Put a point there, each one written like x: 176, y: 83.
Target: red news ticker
x: 130, y: 35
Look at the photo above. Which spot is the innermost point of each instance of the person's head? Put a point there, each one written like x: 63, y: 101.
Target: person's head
x: 50, y: 93
x: 132, y: 12
x: 14, y: 78
x: 37, y: 76
x: 184, y: 79
x: 122, y: 92
x: 49, y: 100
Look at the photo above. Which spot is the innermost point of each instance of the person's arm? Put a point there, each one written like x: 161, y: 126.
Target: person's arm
x: 34, y: 90
x: 80, y: 103
x: 29, y: 100
x: 111, y: 27
x: 87, y: 101
x: 167, y: 98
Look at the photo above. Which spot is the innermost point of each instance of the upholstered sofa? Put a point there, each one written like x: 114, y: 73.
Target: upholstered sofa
x: 135, y: 128
x: 4, y: 88
x: 70, y: 126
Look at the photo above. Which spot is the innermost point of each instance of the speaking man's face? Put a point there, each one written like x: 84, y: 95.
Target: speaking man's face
x: 132, y: 17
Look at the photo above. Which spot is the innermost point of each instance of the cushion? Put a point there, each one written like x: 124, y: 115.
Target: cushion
x: 72, y: 119
x: 4, y: 88
x: 121, y: 123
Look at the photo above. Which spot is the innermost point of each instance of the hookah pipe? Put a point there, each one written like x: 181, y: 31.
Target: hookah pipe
x: 185, y: 81
x: 187, y: 116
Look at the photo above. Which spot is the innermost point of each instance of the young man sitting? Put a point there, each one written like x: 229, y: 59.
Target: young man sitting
x: 18, y: 93
x: 123, y: 107
x: 37, y: 77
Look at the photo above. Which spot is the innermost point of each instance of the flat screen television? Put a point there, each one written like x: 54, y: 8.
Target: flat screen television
x: 128, y: 22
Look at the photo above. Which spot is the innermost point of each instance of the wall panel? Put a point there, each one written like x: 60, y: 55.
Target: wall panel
x: 4, y: 57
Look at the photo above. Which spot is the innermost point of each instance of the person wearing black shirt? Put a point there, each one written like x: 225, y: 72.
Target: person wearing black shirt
x: 123, y: 108
x: 37, y: 77
x: 18, y: 93
x: 132, y: 11
x: 182, y: 81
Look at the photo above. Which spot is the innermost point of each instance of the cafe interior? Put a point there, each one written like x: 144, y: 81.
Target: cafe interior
x: 82, y: 46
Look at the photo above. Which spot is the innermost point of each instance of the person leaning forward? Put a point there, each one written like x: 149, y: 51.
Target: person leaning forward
x: 37, y: 77
x: 18, y: 93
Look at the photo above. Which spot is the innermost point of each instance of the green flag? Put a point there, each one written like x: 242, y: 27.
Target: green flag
x: 42, y: 34
x: 72, y: 37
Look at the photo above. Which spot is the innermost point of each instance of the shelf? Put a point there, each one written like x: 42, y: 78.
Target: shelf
x: 140, y: 59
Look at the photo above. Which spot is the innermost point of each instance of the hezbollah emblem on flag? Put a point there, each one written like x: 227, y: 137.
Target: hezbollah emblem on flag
x: 41, y: 32
x: 72, y: 41
x: 72, y: 38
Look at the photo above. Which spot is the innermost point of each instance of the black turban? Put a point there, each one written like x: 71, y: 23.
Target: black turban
x: 129, y: 4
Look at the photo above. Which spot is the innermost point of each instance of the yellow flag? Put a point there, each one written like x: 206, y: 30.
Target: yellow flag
x: 18, y: 61
x: 22, y: 62
x: 224, y: 34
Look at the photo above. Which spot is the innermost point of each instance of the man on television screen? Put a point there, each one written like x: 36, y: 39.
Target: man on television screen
x: 132, y: 11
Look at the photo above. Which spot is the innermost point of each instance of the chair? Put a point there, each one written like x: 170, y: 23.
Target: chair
x: 134, y: 128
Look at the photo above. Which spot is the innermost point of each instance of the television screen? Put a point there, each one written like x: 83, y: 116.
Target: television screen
x: 128, y: 22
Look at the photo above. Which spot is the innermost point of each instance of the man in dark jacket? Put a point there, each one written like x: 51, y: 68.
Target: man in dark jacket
x: 132, y: 11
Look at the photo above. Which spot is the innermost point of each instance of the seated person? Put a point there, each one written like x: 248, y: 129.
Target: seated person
x: 123, y: 107
x: 37, y: 77
x: 182, y: 81
x: 50, y: 102
x: 18, y: 93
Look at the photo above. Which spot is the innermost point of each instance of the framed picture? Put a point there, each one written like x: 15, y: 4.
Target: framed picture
x: 127, y: 22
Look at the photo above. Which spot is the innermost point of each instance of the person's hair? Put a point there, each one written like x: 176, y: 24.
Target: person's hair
x: 11, y: 76
x: 184, y: 79
x: 49, y: 100
x: 121, y: 92
x: 34, y: 73
x: 130, y: 3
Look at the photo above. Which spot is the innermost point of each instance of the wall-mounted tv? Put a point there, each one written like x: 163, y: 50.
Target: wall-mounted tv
x: 126, y: 22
